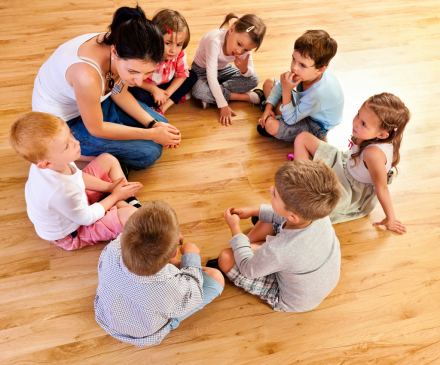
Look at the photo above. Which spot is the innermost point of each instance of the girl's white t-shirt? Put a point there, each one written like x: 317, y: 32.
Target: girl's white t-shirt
x: 209, y: 55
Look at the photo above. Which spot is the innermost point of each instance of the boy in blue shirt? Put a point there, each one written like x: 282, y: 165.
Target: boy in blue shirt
x: 317, y: 104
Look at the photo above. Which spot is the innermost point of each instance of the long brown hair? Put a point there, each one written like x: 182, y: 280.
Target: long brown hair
x: 245, y: 23
x: 393, y: 116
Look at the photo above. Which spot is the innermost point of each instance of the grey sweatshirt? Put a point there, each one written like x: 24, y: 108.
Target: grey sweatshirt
x: 306, y: 261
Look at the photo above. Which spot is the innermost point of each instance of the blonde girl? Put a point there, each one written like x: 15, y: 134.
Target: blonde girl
x: 171, y: 81
x: 218, y: 81
x: 364, y: 170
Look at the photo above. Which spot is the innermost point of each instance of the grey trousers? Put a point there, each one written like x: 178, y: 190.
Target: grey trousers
x: 230, y: 78
x: 288, y: 132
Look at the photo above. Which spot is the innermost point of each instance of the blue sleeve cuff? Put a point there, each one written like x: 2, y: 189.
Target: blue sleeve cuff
x: 191, y: 260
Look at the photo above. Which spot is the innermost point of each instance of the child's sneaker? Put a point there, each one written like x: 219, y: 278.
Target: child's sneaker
x: 184, y: 98
x: 157, y: 109
x: 254, y: 98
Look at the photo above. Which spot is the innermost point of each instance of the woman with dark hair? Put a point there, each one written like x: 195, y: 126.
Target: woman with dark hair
x: 85, y: 83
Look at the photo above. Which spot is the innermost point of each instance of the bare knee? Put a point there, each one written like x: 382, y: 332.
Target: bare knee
x: 125, y: 212
x: 301, y: 139
x: 215, y: 274
x: 226, y: 260
x: 272, y: 126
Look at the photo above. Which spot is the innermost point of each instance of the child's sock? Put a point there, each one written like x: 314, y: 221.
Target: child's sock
x: 133, y: 201
x: 253, y: 96
x: 204, y: 104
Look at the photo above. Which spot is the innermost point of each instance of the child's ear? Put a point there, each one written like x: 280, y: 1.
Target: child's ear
x: 44, y: 164
x: 293, y: 218
x: 319, y: 71
x: 383, y: 135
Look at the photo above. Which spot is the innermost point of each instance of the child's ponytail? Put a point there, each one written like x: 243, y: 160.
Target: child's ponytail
x: 394, y: 116
x: 249, y: 23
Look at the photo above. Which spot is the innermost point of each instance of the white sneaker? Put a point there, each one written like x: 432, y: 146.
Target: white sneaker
x: 253, y: 96
x: 204, y: 104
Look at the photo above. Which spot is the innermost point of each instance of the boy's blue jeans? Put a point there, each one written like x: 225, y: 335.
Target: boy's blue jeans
x: 137, y: 153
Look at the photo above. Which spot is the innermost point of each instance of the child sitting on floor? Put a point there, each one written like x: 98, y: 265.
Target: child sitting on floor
x: 291, y: 258
x: 171, y: 81
x: 364, y: 170
x: 317, y: 104
x: 219, y: 82
x: 58, y: 204
x: 143, y: 291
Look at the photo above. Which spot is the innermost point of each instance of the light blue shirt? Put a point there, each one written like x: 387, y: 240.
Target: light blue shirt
x: 139, y: 309
x: 323, y: 102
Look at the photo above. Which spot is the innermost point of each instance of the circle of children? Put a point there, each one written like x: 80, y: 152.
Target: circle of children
x: 291, y: 257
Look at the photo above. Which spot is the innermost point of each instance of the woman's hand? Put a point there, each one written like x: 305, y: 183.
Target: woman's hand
x: 160, y: 96
x: 392, y: 225
x: 226, y: 114
x: 166, y: 135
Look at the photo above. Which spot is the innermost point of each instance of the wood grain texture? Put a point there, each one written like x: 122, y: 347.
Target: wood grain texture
x: 385, y: 309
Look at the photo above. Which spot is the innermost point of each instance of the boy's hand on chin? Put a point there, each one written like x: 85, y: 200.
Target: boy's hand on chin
x: 287, y: 82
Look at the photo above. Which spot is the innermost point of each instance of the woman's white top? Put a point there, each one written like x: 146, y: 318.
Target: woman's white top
x: 57, y: 204
x: 52, y: 93
x: 359, y: 171
x: 209, y: 55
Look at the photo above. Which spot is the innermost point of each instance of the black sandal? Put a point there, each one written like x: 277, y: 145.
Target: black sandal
x: 260, y: 94
x: 214, y: 265
x: 263, y: 131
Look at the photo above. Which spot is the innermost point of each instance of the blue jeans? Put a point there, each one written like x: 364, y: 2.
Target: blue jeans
x: 211, y: 290
x: 137, y: 153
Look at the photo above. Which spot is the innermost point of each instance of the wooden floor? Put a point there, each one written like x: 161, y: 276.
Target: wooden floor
x: 386, y: 307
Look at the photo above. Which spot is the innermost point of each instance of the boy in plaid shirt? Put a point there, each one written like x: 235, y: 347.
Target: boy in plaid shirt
x: 291, y: 258
x: 143, y: 291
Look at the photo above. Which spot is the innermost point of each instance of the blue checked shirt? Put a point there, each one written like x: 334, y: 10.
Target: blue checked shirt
x: 139, y: 309
x: 323, y: 102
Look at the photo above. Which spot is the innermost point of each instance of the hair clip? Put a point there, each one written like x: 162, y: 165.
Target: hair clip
x: 135, y: 15
x: 168, y: 29
x: 395, y: 129
x: 250, y: 28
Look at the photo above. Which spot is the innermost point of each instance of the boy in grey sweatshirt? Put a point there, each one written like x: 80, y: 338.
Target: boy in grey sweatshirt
x: 291, y: 258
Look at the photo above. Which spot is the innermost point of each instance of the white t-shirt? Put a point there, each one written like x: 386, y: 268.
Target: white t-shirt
x: 57, y: 204
x: 209, y: 55
x: 52, y: 93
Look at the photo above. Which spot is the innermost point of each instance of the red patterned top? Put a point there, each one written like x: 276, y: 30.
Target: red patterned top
x: 165, y: 71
